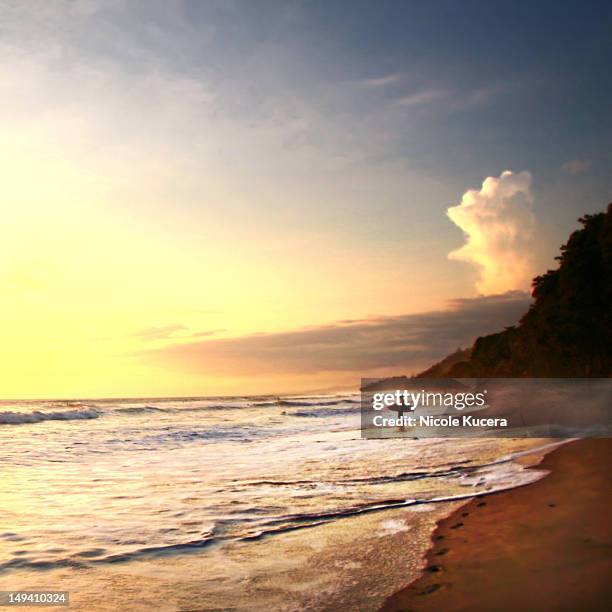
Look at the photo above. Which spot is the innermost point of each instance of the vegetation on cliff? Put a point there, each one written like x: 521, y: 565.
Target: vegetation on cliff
x: 567, y: 332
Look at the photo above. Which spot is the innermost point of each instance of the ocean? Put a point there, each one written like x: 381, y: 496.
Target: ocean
x: 204, y: 496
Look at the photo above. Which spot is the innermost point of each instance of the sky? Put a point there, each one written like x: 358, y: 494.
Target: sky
x: 204, y: 197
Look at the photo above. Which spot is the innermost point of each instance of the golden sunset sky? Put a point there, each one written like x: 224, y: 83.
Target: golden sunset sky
x: 206, y: 198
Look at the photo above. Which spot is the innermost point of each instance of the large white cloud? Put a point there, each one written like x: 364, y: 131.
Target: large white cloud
x: 499, y: 227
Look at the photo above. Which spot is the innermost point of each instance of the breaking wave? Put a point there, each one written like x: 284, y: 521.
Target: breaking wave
x: 38, y: 416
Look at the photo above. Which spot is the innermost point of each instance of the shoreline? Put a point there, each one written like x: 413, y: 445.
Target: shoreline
x: 544, y: 546
x: 352, y: 562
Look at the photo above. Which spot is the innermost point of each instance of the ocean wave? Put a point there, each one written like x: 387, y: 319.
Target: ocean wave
x: 251, y: 531
x: 174, y: 410
x: 305, y: 401
x: 496, y: 476
x: 37, y: 416
x: 210, y: 434
x: 334, y: 402
x: 80, y: 560
x: 322, y: 412
x: 139, y: 409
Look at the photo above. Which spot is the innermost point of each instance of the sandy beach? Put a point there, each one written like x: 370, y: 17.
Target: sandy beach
x: 545, y: 546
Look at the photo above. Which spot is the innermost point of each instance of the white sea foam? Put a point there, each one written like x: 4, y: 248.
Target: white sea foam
x: 392, y: 526
x: 169, y: 476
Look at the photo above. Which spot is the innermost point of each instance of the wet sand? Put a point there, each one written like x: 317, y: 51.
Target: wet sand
x: 545, y: 546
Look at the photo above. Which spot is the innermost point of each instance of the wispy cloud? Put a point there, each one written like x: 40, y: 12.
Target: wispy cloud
x: 159, y: 333
x: 481, y: 95
x: 456, y: 98
x: 576, y: 166
x: 422, y: 97
x: 383, y: 81
x: 175, y: 331
x: 409, y: 341
x: 207, y: 333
